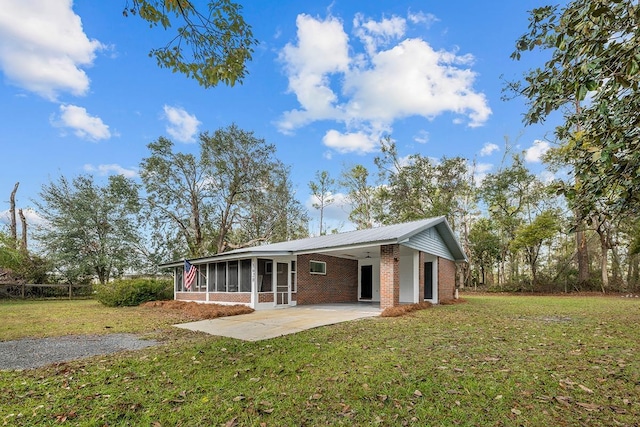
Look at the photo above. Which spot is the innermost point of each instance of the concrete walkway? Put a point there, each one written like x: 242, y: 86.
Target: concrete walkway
x: 265, y: 324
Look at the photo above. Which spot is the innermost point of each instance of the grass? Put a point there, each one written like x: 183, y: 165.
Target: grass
x: 495, y: 360
x: 38, y: 319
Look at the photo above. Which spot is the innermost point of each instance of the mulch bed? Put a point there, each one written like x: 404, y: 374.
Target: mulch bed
x: 199, y: 311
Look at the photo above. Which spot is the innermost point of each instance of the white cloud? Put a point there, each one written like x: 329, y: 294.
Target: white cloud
x: 422, y: 18
x: 321, y: 51
x: 407, y: 160
x: 182, y: 125
x: 83, y: 125
x: 43, y: 47
x: 374, y: 34
x: 480, y: 171
x: 488, y: 148
x: 546, y: 176
x: 335, y: 215
x: 422, y: 137
x: 32, y: 217
x: 412, y: 79
x: 110, y: 169
x: 367, y: 92
x: 534, y: 153
x: 357, y: 142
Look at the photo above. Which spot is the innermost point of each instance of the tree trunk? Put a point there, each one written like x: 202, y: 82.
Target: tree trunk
x: 23, y: 221
x: 466, y: 245
x: 195, y: 224
x: 616, y: 275
x: 604, y: 246
x: 12, y: 213
x: 534, y: 273
x: 582, y: 254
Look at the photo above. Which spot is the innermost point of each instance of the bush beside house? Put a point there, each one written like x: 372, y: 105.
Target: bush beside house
x: 132, y: 292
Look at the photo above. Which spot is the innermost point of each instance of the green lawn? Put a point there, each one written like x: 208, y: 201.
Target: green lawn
x: 496, y: 360
x: 38, y: 319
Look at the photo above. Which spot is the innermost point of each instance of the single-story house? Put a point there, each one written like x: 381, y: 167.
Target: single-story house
x: 392, y: 265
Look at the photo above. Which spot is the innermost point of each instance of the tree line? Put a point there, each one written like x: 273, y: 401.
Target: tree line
x: 233, y: 193
x: 518, y: 232
x: 579, y: 232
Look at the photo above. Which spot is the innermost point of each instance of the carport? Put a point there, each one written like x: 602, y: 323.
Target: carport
x: 265, y: 324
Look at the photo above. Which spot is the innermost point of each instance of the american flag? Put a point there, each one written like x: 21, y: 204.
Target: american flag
x: 190, y: 272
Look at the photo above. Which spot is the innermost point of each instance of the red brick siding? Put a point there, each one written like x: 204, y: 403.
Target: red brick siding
x: 340, y: 284
x: 446, y: 279
x: 389, y: 276
x: 265, y: 297
x: 191, y: 296
x: 239, y: 297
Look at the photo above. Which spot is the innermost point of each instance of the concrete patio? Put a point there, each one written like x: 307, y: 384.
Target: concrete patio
x: 265, y: 324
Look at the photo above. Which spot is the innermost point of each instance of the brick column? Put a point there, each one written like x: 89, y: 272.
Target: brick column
x: 389, y: 276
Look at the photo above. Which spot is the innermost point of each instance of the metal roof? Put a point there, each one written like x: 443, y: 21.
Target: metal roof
x: 389, y: 234
x: 392, y: 233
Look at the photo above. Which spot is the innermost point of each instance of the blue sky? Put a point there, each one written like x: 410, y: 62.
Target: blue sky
x: 328, y: 79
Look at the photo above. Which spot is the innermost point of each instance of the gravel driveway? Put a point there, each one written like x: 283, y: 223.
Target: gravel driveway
x: 32, y: 353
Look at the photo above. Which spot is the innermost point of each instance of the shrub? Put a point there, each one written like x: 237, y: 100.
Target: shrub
x: 131, y: 292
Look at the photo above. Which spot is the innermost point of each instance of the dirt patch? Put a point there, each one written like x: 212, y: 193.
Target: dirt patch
x: 199, y: 311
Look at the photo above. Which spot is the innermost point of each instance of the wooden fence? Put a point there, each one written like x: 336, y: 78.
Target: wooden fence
x: 31, y: 290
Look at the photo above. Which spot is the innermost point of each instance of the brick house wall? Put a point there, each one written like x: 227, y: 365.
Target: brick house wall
x: 340, y: 284
x: 191, y: 296
x: 265, y: 297
x: 237, y: 297
x: 389, y: 276
x: 446, y: 279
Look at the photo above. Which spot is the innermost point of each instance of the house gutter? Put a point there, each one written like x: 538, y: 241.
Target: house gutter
x: 226, y: 257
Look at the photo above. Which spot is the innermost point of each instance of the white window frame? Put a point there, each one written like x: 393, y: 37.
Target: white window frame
x: 294, y: 276
x: 322, y: 273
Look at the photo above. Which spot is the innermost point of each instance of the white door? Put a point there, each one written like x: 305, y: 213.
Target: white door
x: 282, y: 283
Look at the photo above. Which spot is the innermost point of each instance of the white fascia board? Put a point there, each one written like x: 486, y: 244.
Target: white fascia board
x: 225, y: 257
x: 345, y: 247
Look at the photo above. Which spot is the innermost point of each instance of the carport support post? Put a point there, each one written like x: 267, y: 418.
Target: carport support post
x: 389, y: 276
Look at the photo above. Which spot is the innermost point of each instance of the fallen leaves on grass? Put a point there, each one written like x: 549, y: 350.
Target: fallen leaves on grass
x: 199, y: 311
x: 452, y: 301
x: 589, y: 406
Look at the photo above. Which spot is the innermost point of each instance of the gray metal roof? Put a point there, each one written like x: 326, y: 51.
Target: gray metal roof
x: 389, y: 234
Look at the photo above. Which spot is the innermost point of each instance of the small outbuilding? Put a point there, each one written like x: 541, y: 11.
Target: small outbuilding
x: 391, y: 265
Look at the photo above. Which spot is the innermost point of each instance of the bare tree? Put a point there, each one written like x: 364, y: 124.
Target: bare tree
x: 23, y: 221
x: 12, y: 213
